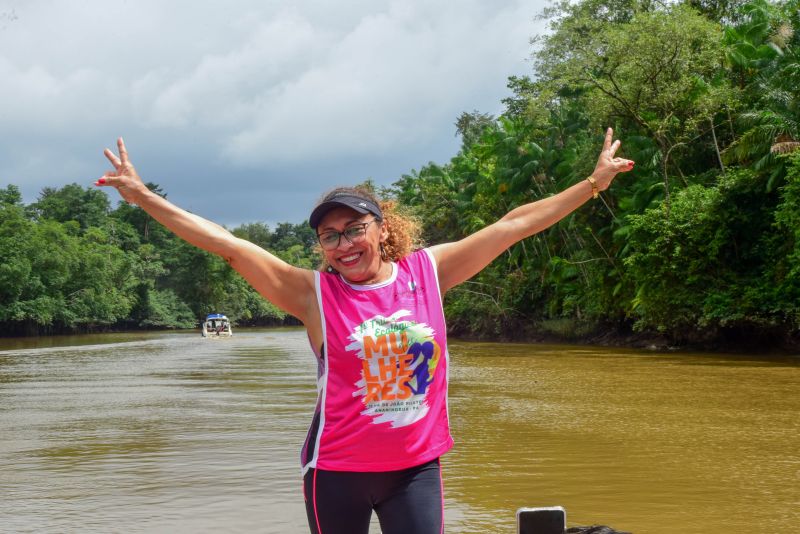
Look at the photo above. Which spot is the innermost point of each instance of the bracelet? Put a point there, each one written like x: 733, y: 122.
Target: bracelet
x: 595, y: 190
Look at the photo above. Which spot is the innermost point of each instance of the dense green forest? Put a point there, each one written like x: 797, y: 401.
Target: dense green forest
x: 68, y: 262
x: 699, y: 244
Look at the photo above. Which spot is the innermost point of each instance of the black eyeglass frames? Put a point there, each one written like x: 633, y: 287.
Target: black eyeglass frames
x: 353, y: 234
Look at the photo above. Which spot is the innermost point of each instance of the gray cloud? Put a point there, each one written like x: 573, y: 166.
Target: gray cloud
x: 268, y: 102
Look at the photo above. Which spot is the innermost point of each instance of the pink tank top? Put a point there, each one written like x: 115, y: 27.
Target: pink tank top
x: 382, y: 380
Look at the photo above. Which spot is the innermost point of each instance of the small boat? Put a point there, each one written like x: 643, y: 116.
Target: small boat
x: 216, y: 325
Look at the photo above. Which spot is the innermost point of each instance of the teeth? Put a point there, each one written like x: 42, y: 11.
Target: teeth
x: 350, y: 258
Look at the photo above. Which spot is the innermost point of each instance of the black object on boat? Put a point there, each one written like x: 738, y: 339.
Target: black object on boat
x: 553, y: 520
x: 594, y: 529
x: 548, y: 520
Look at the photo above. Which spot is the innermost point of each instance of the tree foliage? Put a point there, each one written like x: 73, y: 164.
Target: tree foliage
x: 69, y: 262
x: 698, y: 243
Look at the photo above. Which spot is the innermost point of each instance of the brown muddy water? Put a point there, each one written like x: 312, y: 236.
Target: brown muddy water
x: 168, y: 432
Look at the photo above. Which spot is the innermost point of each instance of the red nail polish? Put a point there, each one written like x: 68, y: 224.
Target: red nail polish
x: 101, y: 181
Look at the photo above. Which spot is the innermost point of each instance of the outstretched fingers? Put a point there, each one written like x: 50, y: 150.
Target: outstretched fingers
x: 609, y: 137
x: 120, y: 161
x: 115, y: 161
x: 123, y: 153
x: 607, y: 161
x: 623, y: 165
x: 613, y: 148
x: 106, y: 178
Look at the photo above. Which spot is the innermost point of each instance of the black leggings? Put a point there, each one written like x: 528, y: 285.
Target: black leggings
x: 407, y: 502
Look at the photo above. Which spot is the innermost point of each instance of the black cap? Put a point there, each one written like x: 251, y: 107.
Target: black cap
x: 348, y: 200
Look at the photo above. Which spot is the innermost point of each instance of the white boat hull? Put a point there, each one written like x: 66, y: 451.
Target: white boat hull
x: 215, y: 327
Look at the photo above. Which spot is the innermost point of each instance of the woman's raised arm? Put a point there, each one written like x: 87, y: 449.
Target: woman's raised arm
x: 289, y: 288
x: 461, y: 260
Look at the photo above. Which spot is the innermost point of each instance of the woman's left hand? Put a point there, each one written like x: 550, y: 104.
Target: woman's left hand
x: 607, y: 165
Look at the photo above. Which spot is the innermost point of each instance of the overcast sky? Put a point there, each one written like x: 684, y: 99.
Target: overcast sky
x: 250, y: 110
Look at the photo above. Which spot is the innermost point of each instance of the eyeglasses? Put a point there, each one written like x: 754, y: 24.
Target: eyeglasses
x: 353, y: 234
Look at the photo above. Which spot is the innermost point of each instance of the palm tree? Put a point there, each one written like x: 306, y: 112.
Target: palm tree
x: 763, y: 55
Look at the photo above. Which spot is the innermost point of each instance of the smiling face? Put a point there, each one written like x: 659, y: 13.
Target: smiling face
x: 360, y: 262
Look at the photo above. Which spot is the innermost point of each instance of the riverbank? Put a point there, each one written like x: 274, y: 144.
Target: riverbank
x: 556, y: 331
x: 30, y: 329
x: 570, y: 331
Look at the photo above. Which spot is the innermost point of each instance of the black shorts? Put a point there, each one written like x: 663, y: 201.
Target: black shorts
x: 409, y: 501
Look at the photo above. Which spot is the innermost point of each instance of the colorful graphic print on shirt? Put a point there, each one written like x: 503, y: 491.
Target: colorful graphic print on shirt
x: 399, y: 360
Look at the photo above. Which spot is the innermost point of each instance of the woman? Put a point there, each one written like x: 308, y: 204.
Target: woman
x: 375, y: 322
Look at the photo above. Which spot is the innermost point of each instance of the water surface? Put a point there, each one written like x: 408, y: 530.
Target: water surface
x: 169, y: 432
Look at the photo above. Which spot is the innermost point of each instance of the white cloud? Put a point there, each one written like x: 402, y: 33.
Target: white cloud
x: 33, y: 97
x: 257, y: 85
x: 390, y: 83
x: 223, y: 88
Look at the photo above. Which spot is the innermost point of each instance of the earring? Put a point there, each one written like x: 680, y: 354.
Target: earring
x: 384, y: 255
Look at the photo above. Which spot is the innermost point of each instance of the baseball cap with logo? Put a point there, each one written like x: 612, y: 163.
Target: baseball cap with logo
x: 348, y: 199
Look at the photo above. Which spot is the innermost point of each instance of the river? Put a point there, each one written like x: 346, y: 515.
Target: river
x: 168, y: 432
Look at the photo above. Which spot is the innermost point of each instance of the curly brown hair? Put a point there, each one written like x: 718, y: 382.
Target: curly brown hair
x: 404, y: 229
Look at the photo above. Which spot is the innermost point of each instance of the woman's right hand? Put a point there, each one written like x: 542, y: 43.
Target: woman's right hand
x: 124, y: 177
